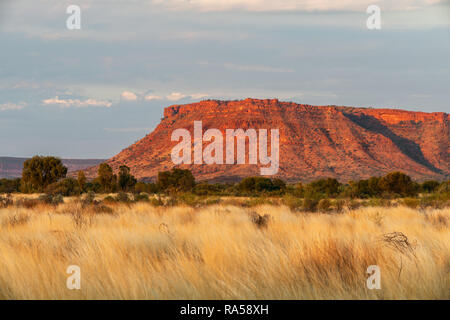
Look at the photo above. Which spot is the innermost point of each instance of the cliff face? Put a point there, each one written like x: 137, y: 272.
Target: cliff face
x: 315, y: 141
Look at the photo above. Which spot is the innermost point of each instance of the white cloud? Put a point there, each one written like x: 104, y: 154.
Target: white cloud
x: 67, y: 103
x: 292, y: 5
x: 175, y: 96
x: 12, y: 106
x: 152, y: 97
x: 197, y: 96
x: 129, y: 96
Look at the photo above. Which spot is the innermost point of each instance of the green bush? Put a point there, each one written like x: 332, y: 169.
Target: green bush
x: 176, y: 180
x: 5, y: 201
x: 65, y: 187
x: 324, y: 205
x: 51, y: 199
x: 294, y: 203
x: 9, y: 185
x: 398, y: 184
x: 142, y: 197
x: 411, y: 202
x: 258, y: 185
x: 126, y: 180
x: 122, y: 197
x: 429, y: 186
x: 39, y: 172
x: 310, y: 204
x: 323, y: 188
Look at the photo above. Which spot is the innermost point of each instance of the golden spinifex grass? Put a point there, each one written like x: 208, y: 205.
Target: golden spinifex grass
x: 223, y: 252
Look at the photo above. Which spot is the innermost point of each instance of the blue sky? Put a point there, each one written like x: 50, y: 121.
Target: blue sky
x: 90, y: 93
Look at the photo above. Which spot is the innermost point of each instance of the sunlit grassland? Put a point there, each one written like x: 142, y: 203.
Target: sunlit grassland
x: 138, y: 251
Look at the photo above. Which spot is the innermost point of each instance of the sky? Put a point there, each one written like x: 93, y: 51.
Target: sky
x: 90, y: 93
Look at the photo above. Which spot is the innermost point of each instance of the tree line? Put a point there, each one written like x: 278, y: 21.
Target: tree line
x: 48, y: 175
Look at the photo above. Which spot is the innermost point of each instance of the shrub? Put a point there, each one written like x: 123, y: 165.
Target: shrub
x: 109, y: 199
x: 204, y: 189
x: 322, y: 188
x: 39, y: 172
x: 398, y: 183
x: 51, y: 199
x: 106, y: 178
x: 352, y: 204
x: 149, y: 188
x: 142, y: 197
x: 253, y: 202
x: 28, y: 203
x: 364, y: 188
x: 176, y: 180
x: 411, y: 202
x: 339, y: 205
x: 126, y: 180
x: 310, y: 204
x: 102, y: 209
x: 444, y: 190
x: 293, y: 202
x: 429, y: 186
x: 256, y: 185
x: 66, y: 187
x: 81, y: 178
x: 260, y: 221
x: 156, y: 202
x: 89, y: 198
x: 5, y: 201
x: 122, y: 197
x: 9, y: 185
x: 324, y: 205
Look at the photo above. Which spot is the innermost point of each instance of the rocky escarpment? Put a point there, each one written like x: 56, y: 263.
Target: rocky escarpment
x: 315, y: 141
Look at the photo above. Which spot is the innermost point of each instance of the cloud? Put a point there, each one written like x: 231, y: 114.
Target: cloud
x: 175, y: 96
x: 291, y: 5
x: 12, y: 106
x: 129, y: 96
x: 67, y: 103
x: 152, y: 97
x: 197, y: 96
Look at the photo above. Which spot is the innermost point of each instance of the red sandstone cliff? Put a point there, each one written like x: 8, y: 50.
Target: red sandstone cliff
x: 315, y: 141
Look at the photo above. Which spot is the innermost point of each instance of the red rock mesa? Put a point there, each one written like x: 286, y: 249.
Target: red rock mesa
x: 315, y: 141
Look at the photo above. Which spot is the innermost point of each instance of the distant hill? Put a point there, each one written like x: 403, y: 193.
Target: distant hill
x: 11, y: 167
x: 347, y: 143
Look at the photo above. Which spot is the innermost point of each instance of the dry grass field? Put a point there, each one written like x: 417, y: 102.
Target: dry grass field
x: 139, y: 251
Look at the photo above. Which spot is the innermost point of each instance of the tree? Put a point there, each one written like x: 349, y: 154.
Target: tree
x: 126, y: 179
x: 140, y: 187
x: 66, y: 187
x: 39, y: 172
x: 81, y: 180
x: 261, y: 184
x: 176, y: 180
x: 324, y: 187
x: 106, y: 177
x: 9, y: 185
x: 430, y: 186
x: 398, y: 183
